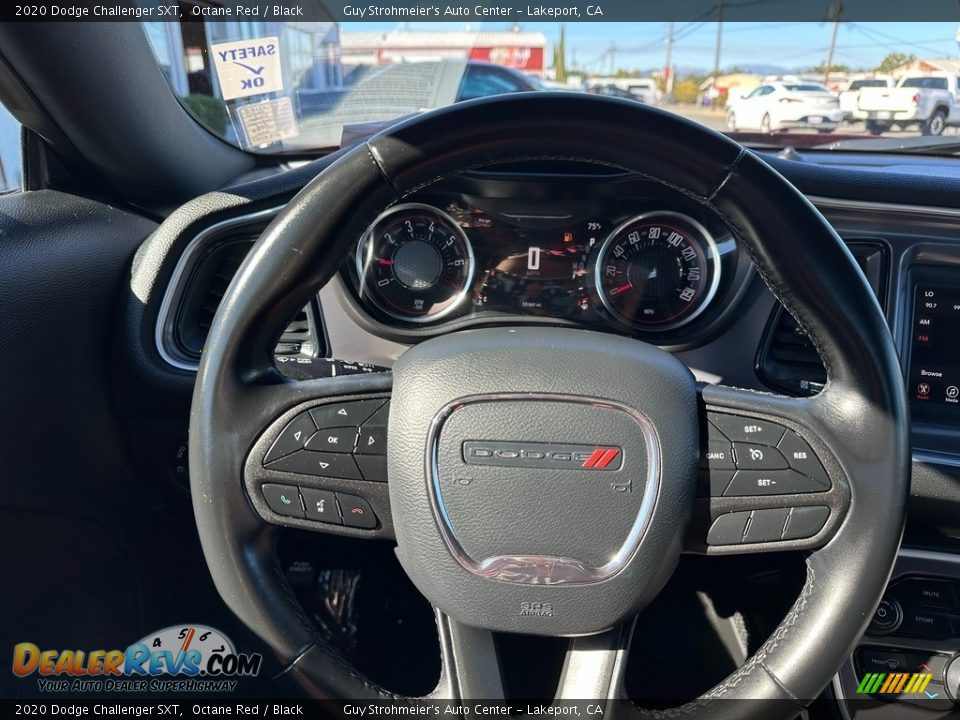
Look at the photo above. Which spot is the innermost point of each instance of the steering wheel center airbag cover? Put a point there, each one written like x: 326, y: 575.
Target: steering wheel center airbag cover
x: 545, y: 466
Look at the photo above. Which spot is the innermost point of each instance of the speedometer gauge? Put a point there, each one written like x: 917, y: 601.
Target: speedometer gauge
x: 415, y: 263
x: 658, y: 271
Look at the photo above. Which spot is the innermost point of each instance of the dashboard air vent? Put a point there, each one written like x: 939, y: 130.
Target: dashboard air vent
x: 204, y: 290
x: 787, y: 360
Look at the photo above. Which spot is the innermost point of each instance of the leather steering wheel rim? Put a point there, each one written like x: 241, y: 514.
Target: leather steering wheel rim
x: 861, y: 414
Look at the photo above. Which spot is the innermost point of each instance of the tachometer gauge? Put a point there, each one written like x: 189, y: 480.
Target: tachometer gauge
x: 658, y: 271
x: 415, y: 263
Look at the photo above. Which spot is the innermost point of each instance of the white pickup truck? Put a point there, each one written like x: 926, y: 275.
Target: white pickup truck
x: 929, y: 100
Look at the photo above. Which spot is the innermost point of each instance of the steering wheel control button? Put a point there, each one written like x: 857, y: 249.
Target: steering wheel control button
x: 320, y: 505
x: 717, y: 456
x: 380, y: 418
x: 283, y: 500
x: 335, y: 440
x: 356, y: 512
x: 766, y: 525
x: 294, y: 437
x: 805, y: 522
x: 801, y: 457
x: 714, y: 482
x: 750, y: 456
x: 728, y: 529
x: 373, y: 467
x: 345, y: 414
x: 747, y: 430
x: 373, y: 440
x: 925, y: 591
x: 924, y: 623
x: 748, y: 483
x: 320, y: 464
x: 886, y: 618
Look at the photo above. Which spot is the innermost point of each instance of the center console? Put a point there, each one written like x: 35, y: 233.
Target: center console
x: 908, y: 663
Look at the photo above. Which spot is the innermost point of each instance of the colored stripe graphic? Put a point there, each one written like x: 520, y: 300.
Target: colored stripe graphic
x: 594, y: 457
x: 894, y: 683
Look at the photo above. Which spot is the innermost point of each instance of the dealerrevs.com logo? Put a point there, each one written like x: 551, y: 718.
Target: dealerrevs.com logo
x: 181, y: 658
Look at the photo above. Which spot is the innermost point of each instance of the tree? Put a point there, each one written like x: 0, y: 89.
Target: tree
x: 560, y: 57
x: 894, y: 60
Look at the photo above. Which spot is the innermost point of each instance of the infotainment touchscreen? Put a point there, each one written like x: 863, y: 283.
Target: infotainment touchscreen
x: 935, y: 351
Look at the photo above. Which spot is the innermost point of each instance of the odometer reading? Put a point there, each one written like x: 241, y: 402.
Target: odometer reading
x: 415, y: 263
x: 658, y: 271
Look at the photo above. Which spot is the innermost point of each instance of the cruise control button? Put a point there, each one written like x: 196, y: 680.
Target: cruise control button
x: 373, y: 467
x: 746, y: 429
x: 801, y: 457
x: 728, y: 529
x: 356, y: 512
x: 337, y: 440
x: 293, y: 437
x: 320, y: 464
x: 766, y: 525
x: 714, y: 482
x: 320, y: 505
x: 805, y: 522
x: 347, y: 413
x: 283, y: 499
x: 750, y: 456
x: 373, y: 440
x: 771, y: 482
x: 925, y: 623
x: 925, y: 591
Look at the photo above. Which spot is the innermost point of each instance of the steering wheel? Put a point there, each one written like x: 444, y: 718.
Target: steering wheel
x: 496, y: 519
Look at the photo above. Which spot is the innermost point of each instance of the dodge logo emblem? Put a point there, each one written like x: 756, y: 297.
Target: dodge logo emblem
x: 543, y: 455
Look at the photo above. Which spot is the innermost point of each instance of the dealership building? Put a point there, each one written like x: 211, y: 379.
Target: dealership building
x: 519, y: 49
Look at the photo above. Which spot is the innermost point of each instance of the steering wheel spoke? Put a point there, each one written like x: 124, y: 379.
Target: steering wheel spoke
x: 767, y: 480
x: 320, y: 464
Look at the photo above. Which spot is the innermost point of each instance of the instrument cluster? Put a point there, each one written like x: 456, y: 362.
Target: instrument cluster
x: 631, y: 263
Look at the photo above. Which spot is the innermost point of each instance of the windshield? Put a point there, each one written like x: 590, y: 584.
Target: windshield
x: 307, y: 87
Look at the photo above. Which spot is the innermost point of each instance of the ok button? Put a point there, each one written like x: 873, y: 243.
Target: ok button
x: 338, y: 440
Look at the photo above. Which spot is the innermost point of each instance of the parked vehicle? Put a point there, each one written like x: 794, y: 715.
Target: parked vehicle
x: 850, y: 95
x: 611, y: 91
x: 645, y: 90
x: 928, y: 100
x: 783, y: 105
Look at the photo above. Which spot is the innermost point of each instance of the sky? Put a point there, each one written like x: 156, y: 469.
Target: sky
x: 797, y: 45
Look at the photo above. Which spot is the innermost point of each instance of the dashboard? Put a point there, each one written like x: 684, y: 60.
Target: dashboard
x: 602, y: 251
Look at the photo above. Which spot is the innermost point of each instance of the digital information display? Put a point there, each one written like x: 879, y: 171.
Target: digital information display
x: 935, y: 350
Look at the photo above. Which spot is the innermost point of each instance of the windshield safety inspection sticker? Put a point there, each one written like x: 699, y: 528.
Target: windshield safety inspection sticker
x: 247, y: 67
x: 268, y: 122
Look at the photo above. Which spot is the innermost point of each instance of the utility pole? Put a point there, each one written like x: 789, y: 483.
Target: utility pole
x: 613, y: 58
x: 668, y: 64
x: 716, y: 57
x: 835, y: 11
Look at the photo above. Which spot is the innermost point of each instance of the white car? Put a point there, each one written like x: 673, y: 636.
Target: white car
x: 850, y: 96
x: 781, y: 105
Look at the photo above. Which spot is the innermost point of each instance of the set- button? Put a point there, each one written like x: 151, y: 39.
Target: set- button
x: 744, y: 456
x: 345, y: 440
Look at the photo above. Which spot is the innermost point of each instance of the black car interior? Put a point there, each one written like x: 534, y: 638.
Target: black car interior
x: 396, y: 417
